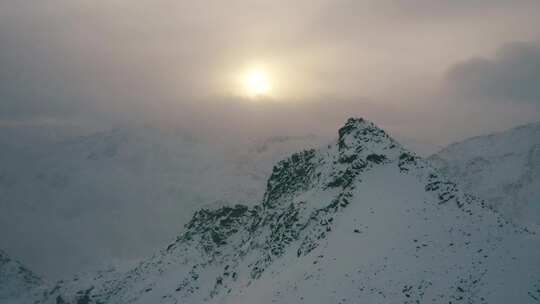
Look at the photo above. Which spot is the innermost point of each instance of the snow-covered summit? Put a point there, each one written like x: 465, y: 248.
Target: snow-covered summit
x: 359, y: 220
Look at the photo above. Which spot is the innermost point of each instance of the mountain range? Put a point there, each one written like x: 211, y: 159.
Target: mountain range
x: 360, y: 220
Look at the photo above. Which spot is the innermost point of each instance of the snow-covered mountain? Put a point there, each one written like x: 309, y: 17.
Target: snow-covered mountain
x: 17, y: 283
x: 117, y: 195
x: 361, y: 220
x: 502, y: 168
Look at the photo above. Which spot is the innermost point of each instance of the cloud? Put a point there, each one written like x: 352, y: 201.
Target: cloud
x: 95, y: 64
x: 512, y: 75
x: 65, y: 58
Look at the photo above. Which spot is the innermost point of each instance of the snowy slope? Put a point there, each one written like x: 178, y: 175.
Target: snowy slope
x: 359, y: 221
x: 118, y: 194
x: 17, y: 283
x: 503, y: 168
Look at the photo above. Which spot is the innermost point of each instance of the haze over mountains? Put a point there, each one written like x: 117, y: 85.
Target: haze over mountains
x: 116, y: 195
x: 159, y: 151
x: 113, y: 196
x: 359, y: 219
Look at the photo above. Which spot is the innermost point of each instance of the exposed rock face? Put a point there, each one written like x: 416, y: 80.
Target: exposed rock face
x: 361, y: 220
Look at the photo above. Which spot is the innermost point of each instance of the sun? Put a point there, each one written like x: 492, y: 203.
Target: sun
x: 256, y: 83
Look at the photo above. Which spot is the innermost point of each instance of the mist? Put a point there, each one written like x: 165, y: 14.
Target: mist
x: 429, y: 72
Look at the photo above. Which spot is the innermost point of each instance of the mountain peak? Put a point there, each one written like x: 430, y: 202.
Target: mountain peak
x: 359, y: 136
x: 361, y: 144
x: 362, y: 130
x: 355, y: 122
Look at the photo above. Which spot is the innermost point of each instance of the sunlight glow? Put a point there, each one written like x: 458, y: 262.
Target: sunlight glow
x: 256, y: 83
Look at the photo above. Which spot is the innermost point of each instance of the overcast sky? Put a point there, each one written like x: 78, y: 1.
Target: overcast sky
x: 459, y: 67
x: 429, y: 71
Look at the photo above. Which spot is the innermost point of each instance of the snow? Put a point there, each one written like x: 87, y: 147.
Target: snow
x: 503, y: 168
x: 362, y: 220
x: 17, y: 283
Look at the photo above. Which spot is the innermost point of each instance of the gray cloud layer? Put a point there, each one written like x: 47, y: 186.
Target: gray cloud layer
x: 513, y: 75
x: 65, y: 58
